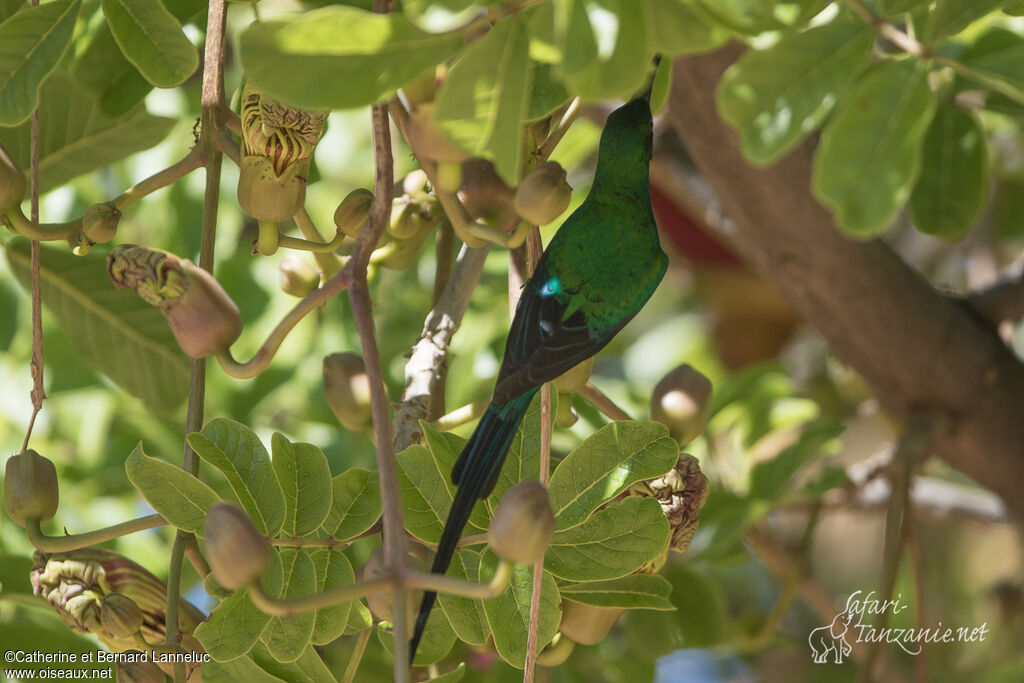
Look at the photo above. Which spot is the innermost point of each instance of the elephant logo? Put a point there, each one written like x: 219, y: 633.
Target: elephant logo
x: 831, y: 639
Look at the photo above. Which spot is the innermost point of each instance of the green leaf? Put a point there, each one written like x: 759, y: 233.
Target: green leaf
x: 892, y: 8
x: 996, y: 60
x: 677, y: 27
x: 621, y: 63
x: 437, y: 641
x: 359, y: 619
x: 606, y: 464
x: 14, y: 574
x: 175, y: 494
x: 452, y: 676
x: 776, y: 97
x: 445, y: 447
x: 79, y: 137
x: 1008, y: 209
x: 771, y: 478
x: 115, y: 331
x: 636, y: 591
x: 508, y: 615
x: 305, y: 479
x: 332, y: 570
x: 355, y: 503
x: 238, y: 669
x: 523, y: 459
x: 953, y: 186
x: 952, y: 16
x: 308, y: 667
x: 870, y: 151
x: 547, y: 92
x: 287, y: 638
x: 233, y: 628
x: 103, y: 70
x: 235, y: 450
x: 745, y: 16
x: 151, y: 39
x: 32, y: 41
x: 466, y: 615
x: 484, y: 99
x: 615, y: 541
x: 702, y: 609
x: 427, y: 494
x: 574, y: 36
x: 301, y: 59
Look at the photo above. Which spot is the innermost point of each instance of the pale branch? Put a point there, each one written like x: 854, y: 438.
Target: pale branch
x: 429, y: 356
x: 600, y: 400
x: 920, y: 351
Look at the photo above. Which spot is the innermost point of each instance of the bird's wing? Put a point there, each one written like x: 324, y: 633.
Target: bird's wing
x: 543, y: 341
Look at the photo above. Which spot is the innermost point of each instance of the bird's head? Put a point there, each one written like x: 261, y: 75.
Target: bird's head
x: 627, y: 140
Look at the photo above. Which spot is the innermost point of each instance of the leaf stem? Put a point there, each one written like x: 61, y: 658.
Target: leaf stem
x: 439, y: 583
x: 599, y: 400
x: 60, y: 544
x: 357, y: 656
x: 561, y: 128
x: 461, y: 416
x: 287, y: 607
x: 190, y: 162
x: 329, y: 264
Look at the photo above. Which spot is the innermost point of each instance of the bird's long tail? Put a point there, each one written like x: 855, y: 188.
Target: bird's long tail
x: 475, y: 473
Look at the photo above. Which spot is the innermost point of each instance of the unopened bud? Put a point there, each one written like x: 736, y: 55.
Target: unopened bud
x: 120, y: 616
x: 543, y: 194
x: 523, y: 524
x: 566, y: 415
x: 575, y: 378
x: 486, y: 196
x: 100, y: 222
x: 204, y: 319
x: 30, y: 488
x: 351, y: 214
x: 415, y: 184
x: 238, y: 553
x: 12, y: 183
x: 681, y: 401
x: 296, y: 276
x: 587, y: 624
x: 347, y: 390
x: 407, y: 218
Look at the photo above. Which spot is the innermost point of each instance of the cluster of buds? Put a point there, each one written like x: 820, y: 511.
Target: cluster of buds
x: 106, y: 594
x: 30, y: 488
x: 278, y: 143
x: 204, y: 319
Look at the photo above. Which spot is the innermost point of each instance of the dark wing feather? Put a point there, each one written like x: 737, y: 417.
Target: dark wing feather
x: 542, y: 343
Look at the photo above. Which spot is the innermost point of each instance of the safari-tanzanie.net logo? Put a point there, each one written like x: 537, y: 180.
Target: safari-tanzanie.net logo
x: 858, y: 623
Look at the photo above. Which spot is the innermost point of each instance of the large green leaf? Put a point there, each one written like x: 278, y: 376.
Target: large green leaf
x: 677, y: 27
x: 745, y: 16
x: 114, y: 331
x: 151, y: 39
x: 332, y: 571
x: 452, y: 676
x: 953, y: 186
x: 777, y: 96
x: 437, y: 641
x: 355, y: 503
x: 233, y: 628
x: 175, y: 494
x: 996, y: 60
x: 952, y: 16
x: 621, y: 63
x: 238, y: 669
x: 77, y: 137
x: 32, y: 41
x: 339, y: 57
x: 305, y: 479
x: 508, y: 615
x: 308, y: 667
x: 485, y: 97
x: 606, y: 464
x: 870, y: 150
x: 235, y: 450
x: 615, y: 541
x: 293, y: 575
x: 103, y: 69
x: 466, y: 615
x: 523, y: 458
x: 636, y: 591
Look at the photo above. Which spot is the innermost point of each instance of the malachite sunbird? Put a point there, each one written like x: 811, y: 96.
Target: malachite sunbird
x: 599, y: 270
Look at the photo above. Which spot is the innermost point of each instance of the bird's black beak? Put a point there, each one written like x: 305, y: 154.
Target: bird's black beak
x: 645, y: 92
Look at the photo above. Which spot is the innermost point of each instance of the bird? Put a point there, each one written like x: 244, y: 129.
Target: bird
x: 598, y: 271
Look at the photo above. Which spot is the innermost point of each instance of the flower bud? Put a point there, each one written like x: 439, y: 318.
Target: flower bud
x: 238, y: 553
x: 587, y: 624
x: 277, y: 144
x: 682, y: 493
x: 681, y: 401
x: 426, y: 137
x: 415, y: 184
x: 566, y: 415
x: 449, y: 175
x: 76, y: 583
x: 347, y: 390
x: 296, y: 276
x: 575, y: 378
x: 351, y: 214
x: 30, y: 488
x: 204, y: 319
x: 12, y: 183
x: 407, y: 218
x: 486, y: 196
x: 120, y: 616
x: 543, y: 194
x: 523, y: 524
x: 100, y: 222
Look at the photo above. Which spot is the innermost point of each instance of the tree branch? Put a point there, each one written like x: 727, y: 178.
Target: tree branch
x: 922, y: 353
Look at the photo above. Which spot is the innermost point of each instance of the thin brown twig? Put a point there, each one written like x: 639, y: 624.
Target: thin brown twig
x: 599, y: 400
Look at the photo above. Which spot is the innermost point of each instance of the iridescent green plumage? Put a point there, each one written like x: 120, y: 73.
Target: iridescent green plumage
x: 599, y: 270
